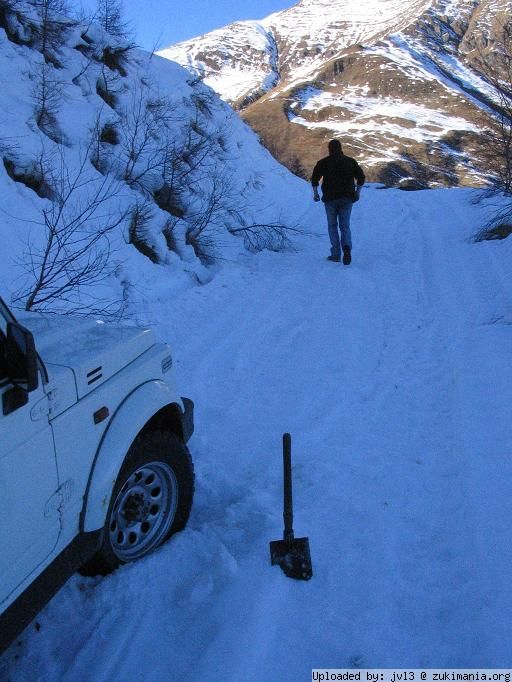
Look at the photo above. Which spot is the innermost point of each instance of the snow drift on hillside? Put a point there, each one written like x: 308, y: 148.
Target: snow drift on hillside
x: 174, y: 164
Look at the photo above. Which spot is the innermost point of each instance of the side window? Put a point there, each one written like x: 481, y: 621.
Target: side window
x: 3, y: 364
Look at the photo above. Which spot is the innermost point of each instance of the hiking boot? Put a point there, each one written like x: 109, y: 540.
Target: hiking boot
x: 335, y: 259
x: 347, y: 257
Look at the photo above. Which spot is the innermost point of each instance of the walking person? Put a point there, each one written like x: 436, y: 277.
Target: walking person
x: 339, y: 175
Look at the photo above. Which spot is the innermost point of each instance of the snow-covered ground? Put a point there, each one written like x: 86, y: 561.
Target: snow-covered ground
x: 394, y: 377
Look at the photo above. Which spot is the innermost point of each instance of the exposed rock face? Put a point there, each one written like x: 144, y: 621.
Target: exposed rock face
x: 397, y: 82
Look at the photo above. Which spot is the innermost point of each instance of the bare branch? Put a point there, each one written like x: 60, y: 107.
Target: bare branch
x: 75, y: 254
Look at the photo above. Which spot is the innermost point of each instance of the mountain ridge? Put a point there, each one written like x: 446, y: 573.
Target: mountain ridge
x: 414, y: 72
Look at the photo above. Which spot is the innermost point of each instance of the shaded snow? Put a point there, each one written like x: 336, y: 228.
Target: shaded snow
x: 255, y: 189
x: 394, y: 377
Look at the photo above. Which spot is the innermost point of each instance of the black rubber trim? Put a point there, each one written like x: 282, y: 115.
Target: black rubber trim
x: 187, y: 419
x: 26, y: 607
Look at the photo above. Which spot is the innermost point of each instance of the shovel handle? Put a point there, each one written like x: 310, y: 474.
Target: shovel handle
x: 287, y: 480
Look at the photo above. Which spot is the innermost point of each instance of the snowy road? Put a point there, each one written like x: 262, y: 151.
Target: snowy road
x: 394, y: 377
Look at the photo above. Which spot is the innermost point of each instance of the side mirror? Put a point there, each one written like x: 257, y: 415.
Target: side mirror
x: 21, y: 357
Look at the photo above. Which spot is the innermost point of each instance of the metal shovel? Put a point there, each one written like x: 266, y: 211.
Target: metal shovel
x: 292, y: 554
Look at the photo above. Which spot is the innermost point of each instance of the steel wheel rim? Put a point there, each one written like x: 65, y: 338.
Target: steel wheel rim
x: 143, y: 511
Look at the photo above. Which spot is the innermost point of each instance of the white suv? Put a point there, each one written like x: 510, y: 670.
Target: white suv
x: 94, y: 468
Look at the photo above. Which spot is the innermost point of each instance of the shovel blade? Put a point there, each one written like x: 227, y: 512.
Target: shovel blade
x: 293, y: 556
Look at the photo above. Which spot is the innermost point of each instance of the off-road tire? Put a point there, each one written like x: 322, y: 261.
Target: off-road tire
x: 155, y: 481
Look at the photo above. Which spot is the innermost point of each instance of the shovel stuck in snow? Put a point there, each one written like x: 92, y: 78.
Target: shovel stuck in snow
x: 292, y: 554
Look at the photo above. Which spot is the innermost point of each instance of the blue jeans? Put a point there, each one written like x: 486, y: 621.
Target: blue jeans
x: 338, y: 221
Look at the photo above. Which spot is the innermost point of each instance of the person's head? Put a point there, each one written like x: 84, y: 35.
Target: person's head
x: 335, y: 148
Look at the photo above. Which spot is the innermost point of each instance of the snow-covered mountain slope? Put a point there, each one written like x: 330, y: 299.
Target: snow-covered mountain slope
x: 239, y: 61
x: 87, y: 121
x: 235, y: 60
x: 399, y: 83
x: 394, y: 377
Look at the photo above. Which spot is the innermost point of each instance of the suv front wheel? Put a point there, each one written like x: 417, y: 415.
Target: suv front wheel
x: 151, y: 500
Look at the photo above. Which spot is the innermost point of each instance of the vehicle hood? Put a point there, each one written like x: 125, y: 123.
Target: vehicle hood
x: 93, y: 350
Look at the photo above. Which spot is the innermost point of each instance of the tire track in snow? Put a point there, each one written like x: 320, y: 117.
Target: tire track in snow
x: 435, y: 543
x: 440, y: 575
x: 412, y: 410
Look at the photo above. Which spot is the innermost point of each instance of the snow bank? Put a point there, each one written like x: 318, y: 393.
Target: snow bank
x: 113, y: 114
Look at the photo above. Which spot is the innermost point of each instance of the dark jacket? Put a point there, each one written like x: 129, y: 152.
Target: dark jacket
x: 339, y: 172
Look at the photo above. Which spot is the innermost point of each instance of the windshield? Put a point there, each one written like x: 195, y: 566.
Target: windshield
x: 3, y: 362
x: 5, y: 315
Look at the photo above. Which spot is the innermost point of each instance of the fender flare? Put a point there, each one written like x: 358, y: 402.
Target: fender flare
x: 128, y: 421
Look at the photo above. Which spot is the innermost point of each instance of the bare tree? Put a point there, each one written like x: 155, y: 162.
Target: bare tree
x: 141, y: 216
x: 44, y: 29
x: 271, y: 236
x: 31, y: 173
x: 110, y: 16
x: 53, y: 23
x: 178, y: 161
x: 75, y: 254
x: 496, y: 69
x: 146, y: 122
x: 210, y: 214
x: 158, y: 146
x: 47, y: 96
x: 7, y: 8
